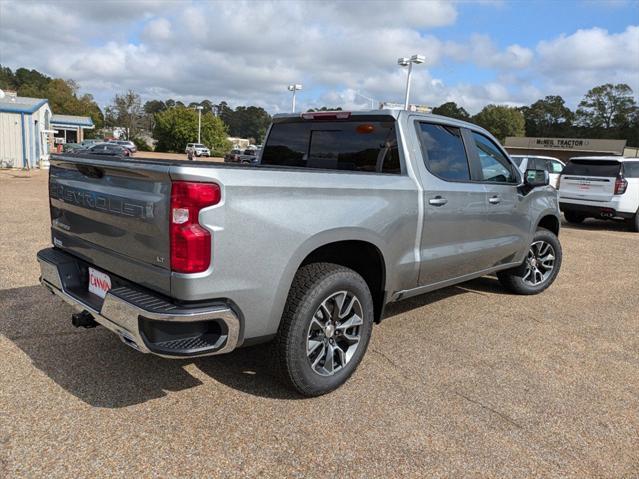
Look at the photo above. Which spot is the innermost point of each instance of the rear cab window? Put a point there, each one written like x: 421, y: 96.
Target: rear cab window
x: 599, y: 168
x: 356, y: 144
x: 444, y: 152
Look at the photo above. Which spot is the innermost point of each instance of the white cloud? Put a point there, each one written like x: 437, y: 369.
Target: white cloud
x: 157, y: 30
x: 247, y: 52
x: 482, y: 51
x: 590, y: 57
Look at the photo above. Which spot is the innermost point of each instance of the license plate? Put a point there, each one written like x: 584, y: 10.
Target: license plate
x: 99, y: 283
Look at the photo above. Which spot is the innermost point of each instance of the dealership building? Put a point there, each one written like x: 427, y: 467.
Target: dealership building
x: 563, y: 148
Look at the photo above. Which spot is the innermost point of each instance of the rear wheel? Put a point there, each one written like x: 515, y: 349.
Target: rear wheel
x: 574, y: 218
x: 325, y: 328
x: 539, y: 269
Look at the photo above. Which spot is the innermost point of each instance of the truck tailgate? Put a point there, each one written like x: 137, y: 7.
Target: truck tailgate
x: 114, y: 214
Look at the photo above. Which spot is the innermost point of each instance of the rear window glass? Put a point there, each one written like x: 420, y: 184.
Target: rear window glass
x: 445, y: 154
x: 631, y: 169
x: 336, y: 145
x: 517, y: 160
x: 603, y: 168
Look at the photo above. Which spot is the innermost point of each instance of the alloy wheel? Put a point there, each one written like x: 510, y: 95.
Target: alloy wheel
x: 334, y: 333
x: 539, y: 263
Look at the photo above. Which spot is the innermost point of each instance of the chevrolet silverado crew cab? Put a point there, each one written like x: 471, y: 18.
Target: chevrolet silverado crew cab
x: 345, y: 213
x: 600, y: 187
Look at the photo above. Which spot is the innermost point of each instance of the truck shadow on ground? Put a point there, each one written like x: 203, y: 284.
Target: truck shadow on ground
x: 593, y: 224
x: 96, y: 367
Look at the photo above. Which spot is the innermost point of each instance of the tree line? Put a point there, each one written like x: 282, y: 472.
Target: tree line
x: 606, y: 111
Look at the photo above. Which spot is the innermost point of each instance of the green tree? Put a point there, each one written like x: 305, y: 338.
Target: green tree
x: 501, y: 121
x: 7, y: 79
x: 451, y: 110
x: 548, y: 117
x: 175, y: 127
x: 151, y: 108
x: 126, y: 112
x: 607, y: 106
x: 245, y: 121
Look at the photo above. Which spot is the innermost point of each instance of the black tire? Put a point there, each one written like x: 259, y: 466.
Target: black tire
x: 313, y: 284
x: 513, y: 279
x: 574, y: 218
x: 634, y: 223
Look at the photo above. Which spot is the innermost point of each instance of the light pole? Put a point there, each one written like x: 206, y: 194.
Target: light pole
x: 403, y: 62
x: 294, y: 87
x: 199, y: 109
x: 372, y: 100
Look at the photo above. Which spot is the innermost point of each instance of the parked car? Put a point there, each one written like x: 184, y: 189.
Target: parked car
x: 129, y: 145
x: 345, y: 213
x: 250, y: 156
x: 233, y: 156
x: 600, y: 187
x: 108, y: 149
x: 89, y: 143
x: 70, y: 147
x: 197, y: 149
x: 553, y: 166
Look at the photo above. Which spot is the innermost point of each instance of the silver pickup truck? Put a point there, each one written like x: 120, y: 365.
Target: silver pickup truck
x: 345, y: 213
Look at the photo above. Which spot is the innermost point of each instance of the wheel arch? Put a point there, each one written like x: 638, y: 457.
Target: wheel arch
x: 359, y: 250
x: 550, y: 222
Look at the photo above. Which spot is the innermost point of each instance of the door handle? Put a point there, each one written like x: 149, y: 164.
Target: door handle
x: 494, y: 200
x: 437, y: 201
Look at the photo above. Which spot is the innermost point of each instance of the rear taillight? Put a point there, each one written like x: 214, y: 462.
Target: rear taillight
x: 190, y: 242
x: 621, y: 185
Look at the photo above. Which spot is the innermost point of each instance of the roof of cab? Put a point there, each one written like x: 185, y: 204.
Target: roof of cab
x: 395, y: 113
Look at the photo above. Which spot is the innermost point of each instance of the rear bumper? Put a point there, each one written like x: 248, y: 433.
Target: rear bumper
x: 143, y: 320
x: 593, y: 211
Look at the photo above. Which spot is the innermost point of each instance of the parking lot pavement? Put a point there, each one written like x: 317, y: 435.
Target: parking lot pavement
x: 464, y: 382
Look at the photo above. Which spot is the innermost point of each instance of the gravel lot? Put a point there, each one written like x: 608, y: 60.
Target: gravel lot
x: 464, y: 382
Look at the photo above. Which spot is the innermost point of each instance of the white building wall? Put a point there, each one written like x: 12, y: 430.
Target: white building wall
x: 10, y: 140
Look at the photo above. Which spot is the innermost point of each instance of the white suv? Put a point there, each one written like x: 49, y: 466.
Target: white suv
x: 198, y: 149
x: 600, y: 187
x: 552, y: 165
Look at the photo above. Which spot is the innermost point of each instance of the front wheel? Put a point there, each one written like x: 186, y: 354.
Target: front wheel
x: 325, y: 328
x: 540, y: 268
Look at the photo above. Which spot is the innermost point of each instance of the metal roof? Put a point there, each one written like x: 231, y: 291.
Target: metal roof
x: 72, y: 120
x: 21, y: 104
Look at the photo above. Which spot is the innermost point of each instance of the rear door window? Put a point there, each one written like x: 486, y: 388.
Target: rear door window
x: 601, y: 168
x: 444, y: 152
x: 335, y: 145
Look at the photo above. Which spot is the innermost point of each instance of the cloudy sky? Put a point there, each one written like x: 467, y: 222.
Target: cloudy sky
x: 246, y: 52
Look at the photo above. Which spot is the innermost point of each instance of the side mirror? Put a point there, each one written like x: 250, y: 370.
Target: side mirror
x: 535, y: 178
